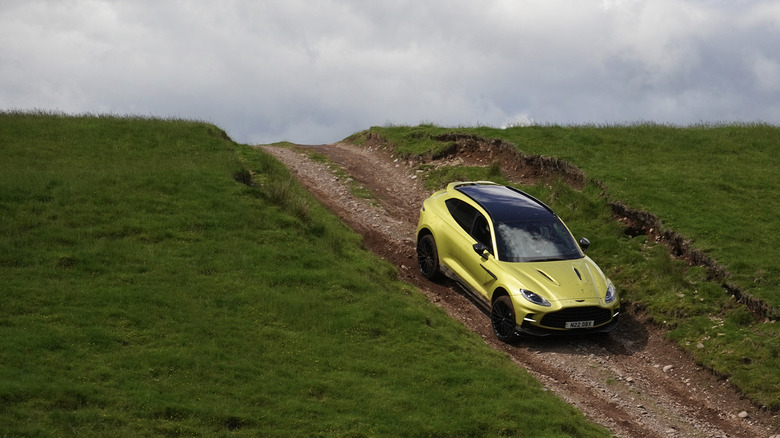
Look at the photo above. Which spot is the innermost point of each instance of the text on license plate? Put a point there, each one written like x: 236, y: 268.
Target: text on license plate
x: 579, y: 324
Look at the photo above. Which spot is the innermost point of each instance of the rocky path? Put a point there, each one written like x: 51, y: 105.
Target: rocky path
x: 634, y: 381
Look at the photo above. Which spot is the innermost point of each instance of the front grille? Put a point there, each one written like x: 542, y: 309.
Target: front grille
x: 560, y: 318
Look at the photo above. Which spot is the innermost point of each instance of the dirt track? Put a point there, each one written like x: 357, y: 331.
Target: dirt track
x: 634, y: 382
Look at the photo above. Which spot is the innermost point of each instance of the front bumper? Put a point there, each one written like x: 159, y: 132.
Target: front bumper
x: 530, y: 328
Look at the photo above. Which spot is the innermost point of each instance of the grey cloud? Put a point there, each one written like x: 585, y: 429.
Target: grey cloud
x: 316, y: 71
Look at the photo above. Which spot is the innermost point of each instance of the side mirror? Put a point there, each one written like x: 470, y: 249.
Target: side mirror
x: 584, y: 244
x: 481, y: 249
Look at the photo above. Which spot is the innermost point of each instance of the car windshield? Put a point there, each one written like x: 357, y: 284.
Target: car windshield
x: 535, y: 241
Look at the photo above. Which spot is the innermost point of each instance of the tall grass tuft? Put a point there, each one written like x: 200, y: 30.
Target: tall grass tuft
x: 288, y: 195
x: 494, y: 170
x: 244, y: 176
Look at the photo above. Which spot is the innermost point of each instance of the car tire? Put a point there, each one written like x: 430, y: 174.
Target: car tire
x: 502, y: 318
x: 428, y: 257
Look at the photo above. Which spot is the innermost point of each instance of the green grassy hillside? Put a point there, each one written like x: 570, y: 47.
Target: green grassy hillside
x: 716, y: 185
x: 159, y: 279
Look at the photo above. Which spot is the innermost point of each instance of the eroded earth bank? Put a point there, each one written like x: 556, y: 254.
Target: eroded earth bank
x: 633, y: 381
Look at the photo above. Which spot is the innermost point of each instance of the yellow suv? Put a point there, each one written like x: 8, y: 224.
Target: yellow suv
x: 516, y: 257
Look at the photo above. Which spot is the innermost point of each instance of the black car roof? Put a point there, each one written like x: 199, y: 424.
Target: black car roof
x: 506, y: 204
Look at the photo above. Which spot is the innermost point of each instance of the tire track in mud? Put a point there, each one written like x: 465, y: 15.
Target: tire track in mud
x: 633, y: 381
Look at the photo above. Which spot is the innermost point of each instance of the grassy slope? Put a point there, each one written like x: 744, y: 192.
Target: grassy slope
x: 146, y: 291
x: 716, y: 185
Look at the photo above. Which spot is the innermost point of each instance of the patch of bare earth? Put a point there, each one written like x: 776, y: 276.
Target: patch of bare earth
x: 633, y: 381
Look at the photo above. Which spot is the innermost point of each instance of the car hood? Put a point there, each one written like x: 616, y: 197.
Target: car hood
x: 563, y: 281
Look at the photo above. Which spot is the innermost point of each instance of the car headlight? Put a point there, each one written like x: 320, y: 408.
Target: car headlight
x: 534, y: 298
x: 611, y: 294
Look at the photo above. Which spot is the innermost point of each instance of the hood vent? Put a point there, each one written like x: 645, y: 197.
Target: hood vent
x: 547, y: 277
x: 578, y: 274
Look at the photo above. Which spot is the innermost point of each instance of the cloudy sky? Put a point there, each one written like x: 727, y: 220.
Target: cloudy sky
x: 316, y: 71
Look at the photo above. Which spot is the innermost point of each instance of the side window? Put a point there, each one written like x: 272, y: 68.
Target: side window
x: 471, y: 220
x: 463, y: 213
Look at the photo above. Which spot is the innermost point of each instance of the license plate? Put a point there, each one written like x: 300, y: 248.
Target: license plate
x: 579, y: 324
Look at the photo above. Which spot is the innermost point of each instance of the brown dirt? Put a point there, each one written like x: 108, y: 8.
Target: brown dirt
x: 634, y: 381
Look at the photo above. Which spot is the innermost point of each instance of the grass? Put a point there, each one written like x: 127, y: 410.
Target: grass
x: 160, y: 280
x: 716, y: 185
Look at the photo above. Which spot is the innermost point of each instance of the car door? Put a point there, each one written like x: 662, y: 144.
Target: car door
x: 474, y: 228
